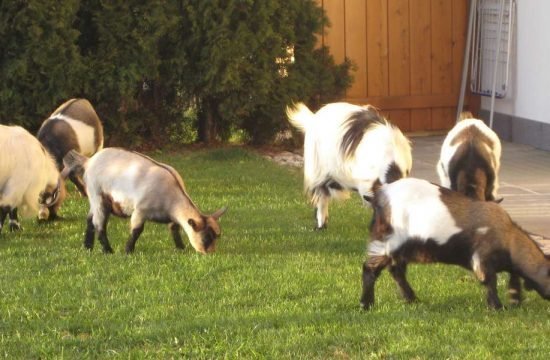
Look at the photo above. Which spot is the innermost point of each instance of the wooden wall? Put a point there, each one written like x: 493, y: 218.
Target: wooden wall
x: 408, y: 56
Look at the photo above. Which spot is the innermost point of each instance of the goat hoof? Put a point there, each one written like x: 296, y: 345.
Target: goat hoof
x: 319, y: 228
x: 366, y: 305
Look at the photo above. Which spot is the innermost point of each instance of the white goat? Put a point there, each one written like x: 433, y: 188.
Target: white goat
x: 72, y: 126
x: 415, y: 221
x: 29, y: 179
x: 470, y: 160
x: 128, y: 184
x: 348, y: 147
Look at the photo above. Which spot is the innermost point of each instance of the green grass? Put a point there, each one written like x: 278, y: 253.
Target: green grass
x: 274, y: 288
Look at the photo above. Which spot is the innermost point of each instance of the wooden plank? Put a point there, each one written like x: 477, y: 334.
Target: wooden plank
x: 421, y: 47
x: 334, y: 36
x: 443, y: 118
x: 401, y: 119
x: 421, y: 54
x: 356, y: 45
x: 399, y: 43
x: 459, y: 29
x: 377, y: 47
x: 408, y: 101
x: 421, y: 120
x: 442, y: 80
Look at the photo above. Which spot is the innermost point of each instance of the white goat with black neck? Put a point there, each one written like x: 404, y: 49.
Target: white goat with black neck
x: 29, y: 179
x: 415, y: 221
x: 72, y: 126
x: 348, y: 147
x: 129, y: 184
x: 470, y: 159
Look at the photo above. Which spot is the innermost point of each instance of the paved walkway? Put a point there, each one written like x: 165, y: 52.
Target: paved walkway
x: 524, y: 181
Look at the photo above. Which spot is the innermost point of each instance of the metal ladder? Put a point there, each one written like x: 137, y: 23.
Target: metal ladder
x: 488, y: 44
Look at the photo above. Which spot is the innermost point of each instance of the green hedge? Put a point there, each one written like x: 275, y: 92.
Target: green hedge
x: 147, y: 65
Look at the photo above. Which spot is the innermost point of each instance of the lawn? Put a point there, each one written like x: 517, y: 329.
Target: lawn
x: 274, y: 289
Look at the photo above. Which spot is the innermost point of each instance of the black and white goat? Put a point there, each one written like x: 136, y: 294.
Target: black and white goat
x: 29, y: 179
x: 348, y: 147
x: 470, y: 160
x: 416, y: 221
x: 128, y: 184
x: 72, y: 126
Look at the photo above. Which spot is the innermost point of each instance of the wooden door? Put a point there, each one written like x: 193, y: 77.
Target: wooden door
x: 408, y: 56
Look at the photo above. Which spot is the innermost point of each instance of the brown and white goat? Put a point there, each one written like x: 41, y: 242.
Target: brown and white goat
x: 416, y: 221
x: 348, y: 147
x: 72, y: 126
x: 470, y: 159
x: 129, y: 184
x: 29, y: 179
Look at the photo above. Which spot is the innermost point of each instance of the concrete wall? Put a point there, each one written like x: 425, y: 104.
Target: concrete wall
x: 524, y: 115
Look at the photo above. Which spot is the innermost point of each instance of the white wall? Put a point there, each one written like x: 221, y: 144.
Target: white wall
x: 529, y: 92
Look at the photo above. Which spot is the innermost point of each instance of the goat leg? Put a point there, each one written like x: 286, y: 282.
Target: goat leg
x: 14, y: 223
x: 175, y: 230
x: 398, y: 272
x: 371, y: 271
x: 514, y: 289
x: 3, y: 213
x: 490, y: 283
x: 321, y: 212
x: 137, y: 223
x: 90, y: 233
x: 102, y: 236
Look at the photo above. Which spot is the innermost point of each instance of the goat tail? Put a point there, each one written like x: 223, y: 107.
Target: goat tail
x: 75, y: 163
x: 465, y: 115
x: 299, y: 116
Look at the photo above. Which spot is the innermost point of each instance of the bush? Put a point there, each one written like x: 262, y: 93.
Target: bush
x: 143, y: 64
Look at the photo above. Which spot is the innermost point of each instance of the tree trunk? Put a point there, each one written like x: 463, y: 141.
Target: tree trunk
x: 207, y: 121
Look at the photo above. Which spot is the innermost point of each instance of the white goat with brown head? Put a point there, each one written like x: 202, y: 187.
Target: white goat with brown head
x: 348, y: 147
x: 129, y: 184
x: 415, y: 221
x: 470, y: 159
x: 29, y: 179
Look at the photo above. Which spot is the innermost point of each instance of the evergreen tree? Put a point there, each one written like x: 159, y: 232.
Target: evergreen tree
x: 239, y: 63
x: 119, y: 41
x: 143, y: 63
x: 40, y: 65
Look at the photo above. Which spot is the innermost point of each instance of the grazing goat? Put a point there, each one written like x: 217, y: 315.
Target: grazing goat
x: 415, y: 221
x: 72, y: 126
x: 29, y: 179
x: 348, y: 147
x: 470, y: 160
x: 128, y: 184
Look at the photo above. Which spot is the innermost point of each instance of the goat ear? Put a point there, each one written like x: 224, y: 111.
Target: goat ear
x: 218, y: 213
x: 368, y: 198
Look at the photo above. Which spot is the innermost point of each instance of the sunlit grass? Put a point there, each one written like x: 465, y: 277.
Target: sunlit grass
x: 274, y: 289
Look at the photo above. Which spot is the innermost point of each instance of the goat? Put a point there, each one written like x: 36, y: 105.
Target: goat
x: 129, y: 184
x: 416, y: 221
x: 72, y: 126
x: 348, y: 147
x: 470, y: 159
x: 29, y: 179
